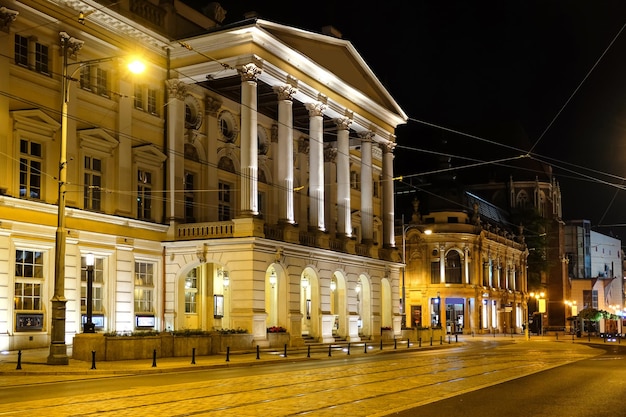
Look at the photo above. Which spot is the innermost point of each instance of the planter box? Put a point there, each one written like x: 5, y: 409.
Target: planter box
x: 278, y: 340
x: 235, y: 341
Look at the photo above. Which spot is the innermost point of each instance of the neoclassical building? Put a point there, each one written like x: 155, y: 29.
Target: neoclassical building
x: 243, y: 180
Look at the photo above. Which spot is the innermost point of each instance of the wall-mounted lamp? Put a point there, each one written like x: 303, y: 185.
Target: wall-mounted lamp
x: 304, y: 282
x: 333, y: 285
x: 357, y: 289
x: 273, y: 279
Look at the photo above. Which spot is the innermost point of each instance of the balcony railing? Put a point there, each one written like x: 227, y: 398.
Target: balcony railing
x: 212, y: 230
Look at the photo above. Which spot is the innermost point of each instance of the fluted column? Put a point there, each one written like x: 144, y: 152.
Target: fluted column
x: 249, y: 140
x: 344, y: 219
x: 285, y: 153
x: 316, y: 165
x: 330, y: 193
x: 389, y: 239
x: 367, y: 216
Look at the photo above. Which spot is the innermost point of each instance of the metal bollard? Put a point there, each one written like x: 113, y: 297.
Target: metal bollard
x: 308, y: 351
x: 441, y: 340
x: 431, y: 340
x: 93, y: 359
x: 381, y: 344
x: 227, y: 353
x: 193, y: 356
x: 456, y: 338
x: 154, y: 358
x: 419, y: 342
x: 348, y: 348
x: 257, y: 352
x: 19, y: 359
x: 395, y: 343
x: 364, y: 347
x: 285, y: 350
x: 329, y: 347
x: 408, y: 342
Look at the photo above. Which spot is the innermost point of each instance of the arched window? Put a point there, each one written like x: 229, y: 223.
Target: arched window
x: 453, y: 267
x: 522, y: 200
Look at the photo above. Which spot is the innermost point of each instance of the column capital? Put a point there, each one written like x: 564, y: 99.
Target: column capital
x: 176, y: 88
x: 71, y: 44
x: 366, y: 136
x: 387, y: 147
x: 315, y: 109
x: 343, y: 123
x: 249, y: 72
x: 285, y: 92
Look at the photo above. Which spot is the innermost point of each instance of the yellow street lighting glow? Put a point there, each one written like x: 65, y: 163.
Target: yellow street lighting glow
x: 136, y: 66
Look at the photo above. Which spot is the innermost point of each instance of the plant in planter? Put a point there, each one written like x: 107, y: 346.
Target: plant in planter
x: 276, y: 329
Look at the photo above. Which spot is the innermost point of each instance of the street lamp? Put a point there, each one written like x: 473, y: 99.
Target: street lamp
x: 58, y: 348
x: 89, y: 326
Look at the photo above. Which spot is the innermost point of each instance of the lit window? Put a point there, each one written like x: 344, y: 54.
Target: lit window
x: 144, y: 287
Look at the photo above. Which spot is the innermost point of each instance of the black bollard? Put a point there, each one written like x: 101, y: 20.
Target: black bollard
x: 257, y: 352
x: 441, y: 340
x: 381, y: 344
x: 395, y: 343
x: 154, y: 358
x: 408, y: 342
x: 449, y: 337
x: 557, y: 335
x: 348, y: 348
x: 227, y: 353
x: 193, y: 356
x: 329, y: 346
x: 93, y: 359
x: 285, y: 354
x: 19, y: 359
x: 308, y: 351
x: 431, y: 340
x: 364, y: 347
x: 456, y: 338
x: 419, y: 342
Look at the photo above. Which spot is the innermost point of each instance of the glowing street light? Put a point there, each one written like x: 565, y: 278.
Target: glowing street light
x: 58, y: 348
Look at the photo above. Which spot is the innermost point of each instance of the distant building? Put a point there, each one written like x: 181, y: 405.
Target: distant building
x: 594, y: 269
x: 243, y: 181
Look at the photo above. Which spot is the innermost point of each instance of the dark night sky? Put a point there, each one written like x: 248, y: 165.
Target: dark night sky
x: 543, y: 75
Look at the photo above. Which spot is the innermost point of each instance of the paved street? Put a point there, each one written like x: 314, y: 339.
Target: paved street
x: 396, y: 380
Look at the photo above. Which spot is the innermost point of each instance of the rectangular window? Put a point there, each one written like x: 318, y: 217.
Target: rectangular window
x: 102, y: 87
x: 144, y: 195
x: 93, y: 183
x: 30, y: 169
x: 28, y: 280
x: 139, y: 97
x: 191, y: 291
x: 224, y: 197
x: 435, y: 273
x: 144, y: 287
x: 152, y: 101
x: 189, y: 197
x: 21, y: 50
x: 85, y: 78
x: 98, y: 285
x: 41, y: 58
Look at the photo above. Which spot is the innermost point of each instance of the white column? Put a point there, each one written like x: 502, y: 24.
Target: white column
x: 285, y: 153
x: 367, y: 216
x: 316, y: 165
x: 175, y: 157
x: 389, y: 239
x: 249, y: 140
x: 344, y: 217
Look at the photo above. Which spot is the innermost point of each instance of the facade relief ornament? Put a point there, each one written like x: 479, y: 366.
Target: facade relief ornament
x: 212, y: 105
x: 387, y: 147
x: 274, y: 133
x: 72, y: 45
x: 176, y: 88
x: 7, y: 16
x: 330, y: 154
x: 303, y: 145
x: 366, y: 136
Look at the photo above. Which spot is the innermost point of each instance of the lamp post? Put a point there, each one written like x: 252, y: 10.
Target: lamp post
x: 89, y: 326
x: 58, y: 348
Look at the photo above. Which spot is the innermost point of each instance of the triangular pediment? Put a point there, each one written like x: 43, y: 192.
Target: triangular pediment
x: 97, y: 139
x: 149, y: 154
x: 34, y: 121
